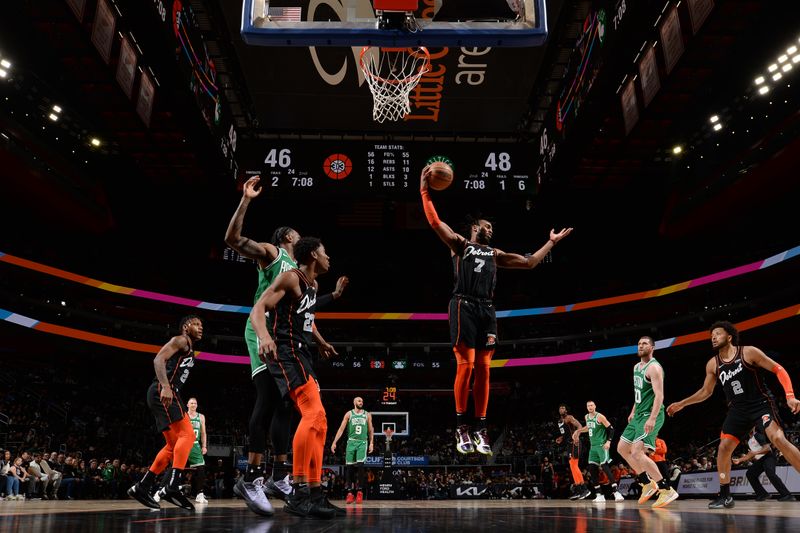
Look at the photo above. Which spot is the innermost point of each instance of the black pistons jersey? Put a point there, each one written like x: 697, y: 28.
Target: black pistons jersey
x: 293, y: 318
x: 179, y: 365
x: 742, y: 383
x: 475, y: 272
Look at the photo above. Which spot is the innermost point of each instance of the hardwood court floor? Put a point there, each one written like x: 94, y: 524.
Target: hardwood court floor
x: 405, y: 516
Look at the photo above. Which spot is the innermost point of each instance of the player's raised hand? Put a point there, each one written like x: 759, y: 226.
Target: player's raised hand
x: 341, y: 283
x: 794, y: 405
x: 251, y: 187
x: 555, y: 237
x: 674, y: 408
x: 423, y: 178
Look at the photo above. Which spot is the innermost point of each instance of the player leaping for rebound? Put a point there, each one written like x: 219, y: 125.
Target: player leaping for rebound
x: 473, y: 325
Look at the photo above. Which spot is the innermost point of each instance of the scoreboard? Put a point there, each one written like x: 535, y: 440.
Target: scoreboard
x: 387, y: 166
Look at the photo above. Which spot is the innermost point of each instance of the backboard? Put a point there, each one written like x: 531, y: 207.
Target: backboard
x: 490, y: 23
x: 397, y: 420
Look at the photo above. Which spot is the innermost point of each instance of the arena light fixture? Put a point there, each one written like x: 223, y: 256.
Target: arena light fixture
x: 56, y: 108
x: 95, y: 142
x: 3, y: 73
x: 5, y: 63
x: 787, y: 67
x: 792, y: 49
x: 796, y: 58
x: 53, y: 117
x: 714, y: 119
x: 763, y: 90
x: 772, y: 68
x: 717, y: 126
x: 783, y: 58
x: 677, y: 149
x: 777, y: 76
x: 759, y: 80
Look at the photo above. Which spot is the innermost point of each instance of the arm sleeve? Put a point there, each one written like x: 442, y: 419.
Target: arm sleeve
x: 610, y: 433
x: 786, y: 382
x: 430, y: 211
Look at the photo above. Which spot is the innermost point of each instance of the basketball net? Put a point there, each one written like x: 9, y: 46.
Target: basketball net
x: 392, y: 73
x: 388, y: 432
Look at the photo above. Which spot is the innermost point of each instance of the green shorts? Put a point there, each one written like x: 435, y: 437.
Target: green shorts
x: 195, y: 457
x: 256, y: 365
x: 634, y: 431
x: 356, y: 452
x: 599, y: 455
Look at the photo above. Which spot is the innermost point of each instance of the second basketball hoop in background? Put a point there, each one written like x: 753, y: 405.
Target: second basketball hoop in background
x: 441, y: 175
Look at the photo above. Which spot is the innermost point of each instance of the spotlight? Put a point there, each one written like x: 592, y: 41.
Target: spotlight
x: 677, y: 149
x: 57, y: 108
x: 791, y: 50
x: 759, y: 80
x: 53, y: 117
x: 796, y: 58
x: 3, y: 73
x: 772, y: 68
x: 4, y: 63
x: 777, y: 76
x: 763, y: 90
x: 717, y: 127
x: 714, y: 119
x: 783, y: 58
x: 95, y: 142
x: 787, y: 67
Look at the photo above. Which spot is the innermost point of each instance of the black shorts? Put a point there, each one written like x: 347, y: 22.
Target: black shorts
x: 472, y: 323
x: 164, y: 415
x: 742, y: 418
x: 575, y: 450
x: 293, y: 368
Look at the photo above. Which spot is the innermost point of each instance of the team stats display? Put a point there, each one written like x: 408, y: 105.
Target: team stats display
x: 348, y: 166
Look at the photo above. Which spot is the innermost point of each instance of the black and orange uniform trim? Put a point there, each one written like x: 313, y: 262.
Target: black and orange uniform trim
x: 291, y: 325
x: 178, y: 368
x: 749, y: 400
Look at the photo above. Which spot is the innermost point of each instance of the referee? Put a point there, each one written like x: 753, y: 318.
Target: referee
x: 764, y: 459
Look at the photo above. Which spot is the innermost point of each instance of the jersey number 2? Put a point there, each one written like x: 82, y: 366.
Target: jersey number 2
x: 308, y: 324
x: 480, y: 263
x: 737, y: 387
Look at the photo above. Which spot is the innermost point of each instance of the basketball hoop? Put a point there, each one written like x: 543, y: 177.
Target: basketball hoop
x: 388, y: 432
x: 392, y: 73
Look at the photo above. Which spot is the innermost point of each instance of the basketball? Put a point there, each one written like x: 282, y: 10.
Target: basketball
x: 440, y: 176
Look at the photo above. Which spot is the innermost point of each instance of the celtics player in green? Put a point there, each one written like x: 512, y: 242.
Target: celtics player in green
x: 272, y: 259
x: 644, y: 422
x: 196, y: 460
x: 601, y: 433
x: 360, y: 435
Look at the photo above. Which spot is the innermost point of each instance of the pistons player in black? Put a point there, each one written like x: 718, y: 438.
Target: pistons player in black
x: 284, y: 345
x: 172, y: 365
x: 739, y: 369
x: 473, y: 325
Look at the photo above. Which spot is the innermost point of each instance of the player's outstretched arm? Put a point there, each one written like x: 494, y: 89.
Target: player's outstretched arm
x: 173, y: 346
x: 509, y: 260
x: 286, y: 282
x: 701, y: 395
x: 233, y: 236
x: 453, y: 240
x: 755, y: 357
x: 340, y: 431
x: 326, y: 349
x: 325, y: 299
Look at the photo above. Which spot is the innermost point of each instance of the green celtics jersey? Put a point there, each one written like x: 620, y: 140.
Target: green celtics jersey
x: 195, y: 420
x: 357, y: 428
x: 267, y: 275
x: 597, y: 431
x: 643, y: 389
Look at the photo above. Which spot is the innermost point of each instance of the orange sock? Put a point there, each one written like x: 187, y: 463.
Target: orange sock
x: 480, y: 388
x: 465, y: 360
x: 577, y: 476
x: 309, y: 438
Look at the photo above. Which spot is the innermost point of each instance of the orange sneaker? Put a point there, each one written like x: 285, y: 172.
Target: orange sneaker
x: 359, y: 497
x: 350, y: 498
